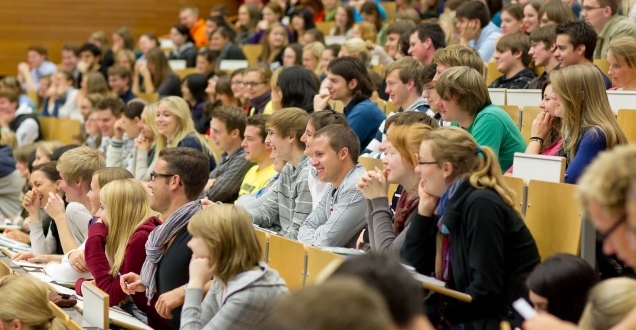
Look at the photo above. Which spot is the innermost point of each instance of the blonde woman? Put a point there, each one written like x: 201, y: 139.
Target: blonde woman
x: 175, y: 128
x: 358, y: 48
x: 25, y: 304
x: 462, y: 192
x: 116, y: 242
x: 621, y: 56
x: 44, y: 151
x: 245, y: 290
x: 589, y: 125
x: 367, y: 32
x: 608, y: 303
x: 312, y: 53
x: 273, y: 42
x: 126, y: 58
x: 144, y: 160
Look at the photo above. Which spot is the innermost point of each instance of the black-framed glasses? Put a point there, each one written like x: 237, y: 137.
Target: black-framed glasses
x: 252, y: 83
x: 421, y: 163
x: 603, y: 236
x: 154, y: 175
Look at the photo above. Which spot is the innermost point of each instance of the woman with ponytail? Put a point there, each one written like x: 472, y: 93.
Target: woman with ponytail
x: 25, y: 304
x: 484, y: 249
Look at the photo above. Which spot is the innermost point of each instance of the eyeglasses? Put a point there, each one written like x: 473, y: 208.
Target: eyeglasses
x: 421, y: 163
x: 428, y: 89
x: 252, y: 83
x: 603, y: 236
x: 154, y: 175
x: 585, y: 8
x: 237, y: 82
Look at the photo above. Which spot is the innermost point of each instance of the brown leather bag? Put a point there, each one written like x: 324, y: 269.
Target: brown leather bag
x: 62, y: 300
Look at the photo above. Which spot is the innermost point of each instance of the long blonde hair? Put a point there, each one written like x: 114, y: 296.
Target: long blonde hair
x: 316, y: 48
x: 127, y: 207
x: 608, y: 303
x: 361, y: 48
x: 26, y: 298
x: 459, y: 148
x: 230, y: 237
x: 179, y: 108
x: 583, y: 100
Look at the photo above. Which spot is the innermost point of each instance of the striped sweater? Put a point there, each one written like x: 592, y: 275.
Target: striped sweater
x: 290, y: 202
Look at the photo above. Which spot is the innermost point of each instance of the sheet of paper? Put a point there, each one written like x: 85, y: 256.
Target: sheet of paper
x: 23, y: 263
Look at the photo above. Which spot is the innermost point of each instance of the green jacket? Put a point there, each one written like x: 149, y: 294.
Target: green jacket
x: 617, y: 27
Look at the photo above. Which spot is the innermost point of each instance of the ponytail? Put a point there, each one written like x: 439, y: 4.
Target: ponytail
x: 57, y: 324
x: 456, y: 146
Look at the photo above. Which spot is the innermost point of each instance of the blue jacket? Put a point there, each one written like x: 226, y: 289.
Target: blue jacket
x: 7, y: 163
x: 364, y: 118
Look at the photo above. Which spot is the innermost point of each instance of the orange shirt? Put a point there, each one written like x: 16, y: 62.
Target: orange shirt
x: 197, y: 31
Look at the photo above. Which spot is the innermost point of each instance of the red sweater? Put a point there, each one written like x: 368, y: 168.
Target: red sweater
x: 95, y: 254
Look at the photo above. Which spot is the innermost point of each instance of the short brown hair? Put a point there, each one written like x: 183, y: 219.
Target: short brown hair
x: 288, y: 122
x: 38, y: 49
x: 459, y: 55
x: 341, y: 137
x: 191, y: 165
x: 613, y: 4
x: 515, y: 43
x: 466, y: 86
x: 230, y: 237
x: 233, y: 118
x: 264, y: 71
x: 410, y: 118
x: 410, y: 69
x: 400, y: 27
x: 258, y: 121
x: 11, y: 96
x: 120, y: 71
x: 557, y: 11
x: 545, y: 34
x: 73, y: 47
x: 112, y: 103
x: 428, y: 73
x: 80, y: 163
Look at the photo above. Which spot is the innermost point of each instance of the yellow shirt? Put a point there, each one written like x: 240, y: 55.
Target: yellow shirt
x: 255, y: 180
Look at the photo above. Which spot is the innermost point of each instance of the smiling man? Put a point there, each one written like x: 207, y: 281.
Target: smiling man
x: 227, y: 130
x: 258, y: 152
x: 341, y: 214
x: 542, y: 48
x: 607, y: 22
x: 512, y: 60
x: 290, y: 202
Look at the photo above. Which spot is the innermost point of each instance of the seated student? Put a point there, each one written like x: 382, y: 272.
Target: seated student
x: 456, y: 55
x: 588, y: 127
x: 575, y: 44
x: 184, y: 48
x: 258, y: 90
x: 44, y: 151
x: 358, y: 48
x: 176, y: 129
x: 11, y: 182
x: 428, y: 92
x: 342, y: 303
x: 464, y: 99
x: 475, y: 28
x: 108, y: 111
x: 223, y: 92
x: 248, y: 17
x: 290, y: 202
x: 273, y: 46
x: 609, y: 303
x: 301, y: 20
x: 258, y: 153
x: 297, y: 87
x: 404, y: 86
x: 316, y: 122
x: 144, y: 155
x: 126, y: 58
x: 293, y: 55
x: 245, y: 290
x: 402, y: 293
x: 206, y: 61
x: 119, y: 81
x: 560, y: 286
x: 175, y: 185
x: 344, y: 21
x: 121, y: 150
x: 61, y: 97
x: 512, y: 61
x: 226, y: 131
x: 90, y: 59
x: 25, y: 304
x: 476, y: 227
x: 313, y: 35
x: 340, y: 215
x: 220, y: 41
x: 311, y: 57
x: 554, y: 12
x: 422, y: 42
x: 36, y: 67
x: 546, y: 128
x: 387, y: 229
x: 621, y: 57
x: 542, y: 49
x: 116, y: 242
x: 349, y: 82
x: 193, y: 91
x: 157, y: 76
x: 11, y: 84
x: 393, y: 33
x: 511, y: 19
x: 22, y: 122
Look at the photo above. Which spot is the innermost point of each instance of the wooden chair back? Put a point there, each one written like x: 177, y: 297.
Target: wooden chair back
x: 553, y: 216
x: 66, y: 129
x: 263, y: 241
x: 325, y: 27
x: 492, y: 73
x: 514, y: 112
x: 5, y: 269
x: 317, y: 261
x: 627, y: 122
x: 528, y: 115
x: 252, y: 52
x: 518, y: 187
x: 370, y: 163
x: 58, y: 312
x: 149, y: 97
x: 48, y: 127
x: 288, y: 257
x: 183, y: 73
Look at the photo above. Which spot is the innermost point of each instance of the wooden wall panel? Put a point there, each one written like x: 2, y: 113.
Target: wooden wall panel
x: 53, y: 22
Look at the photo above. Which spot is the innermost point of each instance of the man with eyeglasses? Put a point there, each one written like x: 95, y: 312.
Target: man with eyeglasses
x: 404, y: 85
x: 542, y: 48
x: 604, y: 190
x: 608, y: 24
x: 175, y: 185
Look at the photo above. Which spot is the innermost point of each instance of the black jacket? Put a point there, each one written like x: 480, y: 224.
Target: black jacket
x: 492, y: 254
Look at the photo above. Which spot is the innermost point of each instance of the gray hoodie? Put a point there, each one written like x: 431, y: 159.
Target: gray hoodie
x: 246, y: 302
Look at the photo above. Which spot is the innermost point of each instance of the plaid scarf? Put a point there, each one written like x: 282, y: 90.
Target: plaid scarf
x: 159, y: 238
x: 405, y: 206
x: 443, y: 251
